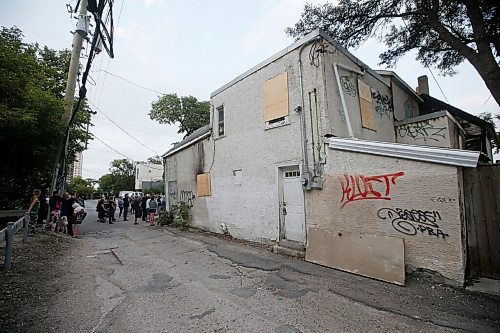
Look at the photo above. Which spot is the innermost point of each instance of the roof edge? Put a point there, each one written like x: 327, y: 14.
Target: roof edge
x: 401, y: 81
x: 447, y: 156
x: 304, y: 40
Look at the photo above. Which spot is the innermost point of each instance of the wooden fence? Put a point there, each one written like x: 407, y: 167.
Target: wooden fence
x: 482, y: 209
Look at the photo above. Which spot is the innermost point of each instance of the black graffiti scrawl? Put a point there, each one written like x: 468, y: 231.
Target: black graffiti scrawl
x: 382, y: 103
x: 348, y: 86
x: 412, y: 221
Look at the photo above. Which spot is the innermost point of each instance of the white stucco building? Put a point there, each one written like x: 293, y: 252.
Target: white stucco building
x: 146, y: 174
x: 312, y: 149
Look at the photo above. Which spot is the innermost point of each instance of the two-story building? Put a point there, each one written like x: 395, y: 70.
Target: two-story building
x: 313, y: 150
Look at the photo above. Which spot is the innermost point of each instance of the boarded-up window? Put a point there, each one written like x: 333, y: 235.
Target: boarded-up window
x: 203, y: 185
x: 276, y: 97
x: 366, y: 106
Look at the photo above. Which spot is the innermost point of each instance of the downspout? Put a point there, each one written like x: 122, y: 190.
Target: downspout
x: 341, y: 93
x: 306, y: 176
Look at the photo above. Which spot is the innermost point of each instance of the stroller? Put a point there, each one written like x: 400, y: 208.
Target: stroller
x: 80, y: 216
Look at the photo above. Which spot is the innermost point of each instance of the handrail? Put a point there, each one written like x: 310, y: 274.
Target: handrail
x: 7, y: 236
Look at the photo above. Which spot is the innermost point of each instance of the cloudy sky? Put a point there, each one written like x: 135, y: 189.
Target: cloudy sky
x: 190, y: 47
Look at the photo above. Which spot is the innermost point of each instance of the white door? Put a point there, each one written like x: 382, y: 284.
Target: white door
x: 293, y: 206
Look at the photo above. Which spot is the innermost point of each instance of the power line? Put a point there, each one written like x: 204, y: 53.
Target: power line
x: 425, y: 64
x: 135, y: 84
x: 486, y: 101
x: 442, y: 92
x: 128, y: 158
x: 124, y: 131
x: 113, y: 149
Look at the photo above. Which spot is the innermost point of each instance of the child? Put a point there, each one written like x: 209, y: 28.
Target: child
x: 33, y: 210
x: 80, y: 214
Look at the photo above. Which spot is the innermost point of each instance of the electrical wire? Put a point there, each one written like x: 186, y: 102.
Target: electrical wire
x: 124, y: 131
x: 113, y: 149
x: 128, y: 158
x: 131, y: 82
x: 427, y: 66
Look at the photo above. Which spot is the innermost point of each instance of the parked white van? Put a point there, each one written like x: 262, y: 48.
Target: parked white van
x: 130, y: 193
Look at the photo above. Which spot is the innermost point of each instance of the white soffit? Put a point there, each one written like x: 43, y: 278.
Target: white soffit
x: 457, y: 157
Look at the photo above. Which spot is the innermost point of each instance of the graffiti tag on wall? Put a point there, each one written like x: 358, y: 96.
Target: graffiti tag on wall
x: 422, y: 130
x: 188, y: 197
x: 359, y: 187
x: 443, y: 199
x: 348, y: 86
x: 411, y: 221
x: 382, y: 103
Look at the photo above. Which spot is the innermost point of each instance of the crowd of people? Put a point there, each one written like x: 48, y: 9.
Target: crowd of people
x: 142, y: 207
x: 66, y: 212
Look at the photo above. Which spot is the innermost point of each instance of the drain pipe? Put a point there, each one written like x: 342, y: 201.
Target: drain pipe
x: 341, y: 93
x: 306, y: 176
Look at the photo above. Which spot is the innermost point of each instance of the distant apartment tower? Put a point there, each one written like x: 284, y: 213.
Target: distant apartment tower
x: 75, y: 168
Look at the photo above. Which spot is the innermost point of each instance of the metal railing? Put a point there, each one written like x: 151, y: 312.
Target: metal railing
x: 7, y: 236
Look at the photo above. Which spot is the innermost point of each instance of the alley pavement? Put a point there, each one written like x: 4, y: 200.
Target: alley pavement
x: 137, y: 278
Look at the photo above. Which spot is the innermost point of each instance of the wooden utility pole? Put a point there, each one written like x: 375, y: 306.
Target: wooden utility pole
x: 82, y: 29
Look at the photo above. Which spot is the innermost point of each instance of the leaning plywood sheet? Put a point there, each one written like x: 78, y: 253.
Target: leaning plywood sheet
x: 379, y: 257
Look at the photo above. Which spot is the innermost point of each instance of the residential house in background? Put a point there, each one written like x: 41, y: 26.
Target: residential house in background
x: 313, y: 150
x: 148, y: 177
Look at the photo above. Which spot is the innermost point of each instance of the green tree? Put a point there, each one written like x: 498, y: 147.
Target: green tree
x: 154, y: 159
x: 32, y: 84
x: 443, y: 33
x: 493, y: 119
x: 120, y: 178
x: 107, y: 184
x: 190, y: 113
x: 82, y: 187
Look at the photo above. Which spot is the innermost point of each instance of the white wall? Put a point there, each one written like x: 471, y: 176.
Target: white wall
x: 429, y: 191
x: 147, y: 172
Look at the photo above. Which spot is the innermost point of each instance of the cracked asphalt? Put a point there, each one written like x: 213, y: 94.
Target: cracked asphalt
x: 136, y: 278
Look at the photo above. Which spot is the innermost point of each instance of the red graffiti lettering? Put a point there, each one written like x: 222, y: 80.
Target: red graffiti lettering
x: 359, y: 187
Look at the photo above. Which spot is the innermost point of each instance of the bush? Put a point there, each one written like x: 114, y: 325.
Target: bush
x: 178, y: 216
x: 166, y: 218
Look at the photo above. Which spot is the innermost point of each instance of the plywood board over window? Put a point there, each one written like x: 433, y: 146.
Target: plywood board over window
x: 366, y: 106
x: 276, y: 97
x: 203, y: 185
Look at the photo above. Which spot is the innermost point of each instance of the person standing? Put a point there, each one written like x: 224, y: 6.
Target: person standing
x: 55, y: 210
x: 44, y: 207
x: 126, y: 205
x: 111, y: 210
x: 143, y: 207
x: 137, y: 208
x: 34, y: 210
x: 120, y: 206
x: 153, y: 206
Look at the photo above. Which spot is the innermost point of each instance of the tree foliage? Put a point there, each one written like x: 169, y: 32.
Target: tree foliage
x: 190, y: 113
x: 493, y: 119
x: 154, y: 159
x: 120, y: 178
x: 442, y: 32
x: 32, y: 84
x: 82, y: 187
